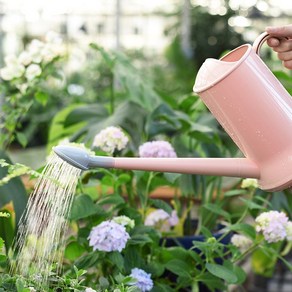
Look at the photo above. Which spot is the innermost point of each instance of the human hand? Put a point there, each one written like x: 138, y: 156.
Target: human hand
x: 281, y: 42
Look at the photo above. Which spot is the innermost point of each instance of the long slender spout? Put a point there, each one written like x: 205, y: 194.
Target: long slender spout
x: 234, y: 167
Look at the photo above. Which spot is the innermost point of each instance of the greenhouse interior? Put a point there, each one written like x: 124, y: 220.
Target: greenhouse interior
x: 136, y: 145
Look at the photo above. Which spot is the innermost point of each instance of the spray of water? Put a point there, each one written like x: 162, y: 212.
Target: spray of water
x: 42, y: 230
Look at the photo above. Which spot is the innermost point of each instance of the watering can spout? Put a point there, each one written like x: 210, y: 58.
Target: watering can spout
x: 234, y: 167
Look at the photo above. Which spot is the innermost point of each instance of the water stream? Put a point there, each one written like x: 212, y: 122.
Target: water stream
x: 42, y: 230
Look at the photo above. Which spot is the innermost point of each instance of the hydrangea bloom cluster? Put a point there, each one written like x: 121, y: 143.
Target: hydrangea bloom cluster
x: 124, y: 220
x: 241, y: 241
x: 108, y: 236
x: 157, y: 149
x: 143, y: 279
x: 28, y: 63
x: 274, y: 225
x: 110, y: 139
x: 249, y: 183
x: 159, y: 216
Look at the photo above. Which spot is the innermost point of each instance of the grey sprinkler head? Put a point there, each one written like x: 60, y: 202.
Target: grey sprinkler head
x: 79, y: 158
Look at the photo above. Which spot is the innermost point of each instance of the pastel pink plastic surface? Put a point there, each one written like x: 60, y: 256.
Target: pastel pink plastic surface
x: 237, y: 167
x: 254, y: 109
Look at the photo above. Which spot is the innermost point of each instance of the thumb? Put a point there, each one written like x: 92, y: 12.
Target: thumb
x: 280, y: 31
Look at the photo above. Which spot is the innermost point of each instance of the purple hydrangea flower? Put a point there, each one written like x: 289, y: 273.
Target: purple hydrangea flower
x: 108, y: 236
x: 157, y: 149
x: 143, y: 280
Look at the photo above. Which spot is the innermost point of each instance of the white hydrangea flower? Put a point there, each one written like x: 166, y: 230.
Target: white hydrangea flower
x: 12, y: 71
x: 162, y: 218
x: 10, y: 60
x: 89, y: 290
x: 273, y: 225
x: 35, y: 49
x: 25, y: 58
x: 124, y: 220
x: 32, y: 71
x: 110, y: 139
x: 241, y: 241
x: 249, y: 183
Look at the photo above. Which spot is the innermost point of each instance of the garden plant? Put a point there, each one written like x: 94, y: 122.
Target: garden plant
x: 119, y: 233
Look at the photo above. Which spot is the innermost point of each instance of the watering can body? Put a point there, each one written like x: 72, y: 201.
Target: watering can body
x: 254, y: 109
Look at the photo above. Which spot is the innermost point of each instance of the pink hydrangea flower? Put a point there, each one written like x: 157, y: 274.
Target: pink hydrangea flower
x: 108, y: 236
x: 157, y: 149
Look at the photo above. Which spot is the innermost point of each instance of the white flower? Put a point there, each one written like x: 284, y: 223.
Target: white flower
x: 273, y: 225
x: 249, y: 183
x: 32, y: 71
x: 90, y: 290
x: 124, y: 220
x: 110, y: 139
x: 10, y: 60
x: 31, y: 289
x: 289, y: 230
x: 24, y: 58
x: 161, y: 217
x: 241, y: 241
x: 12, y: 71
x: 35, y: 49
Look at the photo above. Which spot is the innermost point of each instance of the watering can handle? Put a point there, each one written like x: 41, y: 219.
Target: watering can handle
x: 260, y: 40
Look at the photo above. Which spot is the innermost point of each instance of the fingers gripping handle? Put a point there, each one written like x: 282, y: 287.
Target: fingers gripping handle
x: 260, y: 40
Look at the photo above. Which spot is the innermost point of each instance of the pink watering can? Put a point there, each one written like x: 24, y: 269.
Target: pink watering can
x: 253, y: 108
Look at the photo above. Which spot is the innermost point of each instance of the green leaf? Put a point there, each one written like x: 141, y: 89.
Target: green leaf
x: 117, y: 259
x: 14, y: 191
x: 83, y: 207
x: 139, y: 239
x: 41, y: 97
x: 21, y: 138
x: 217, y: 210
x: 243, y: 228
x: 222, y: 272
x: 160, y: 204
x: 111, y: 200
x: 234, y: 193
x: 74, y: 250
x: 179, y: 267
x: 171, y: 177
x: 251, y: 205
